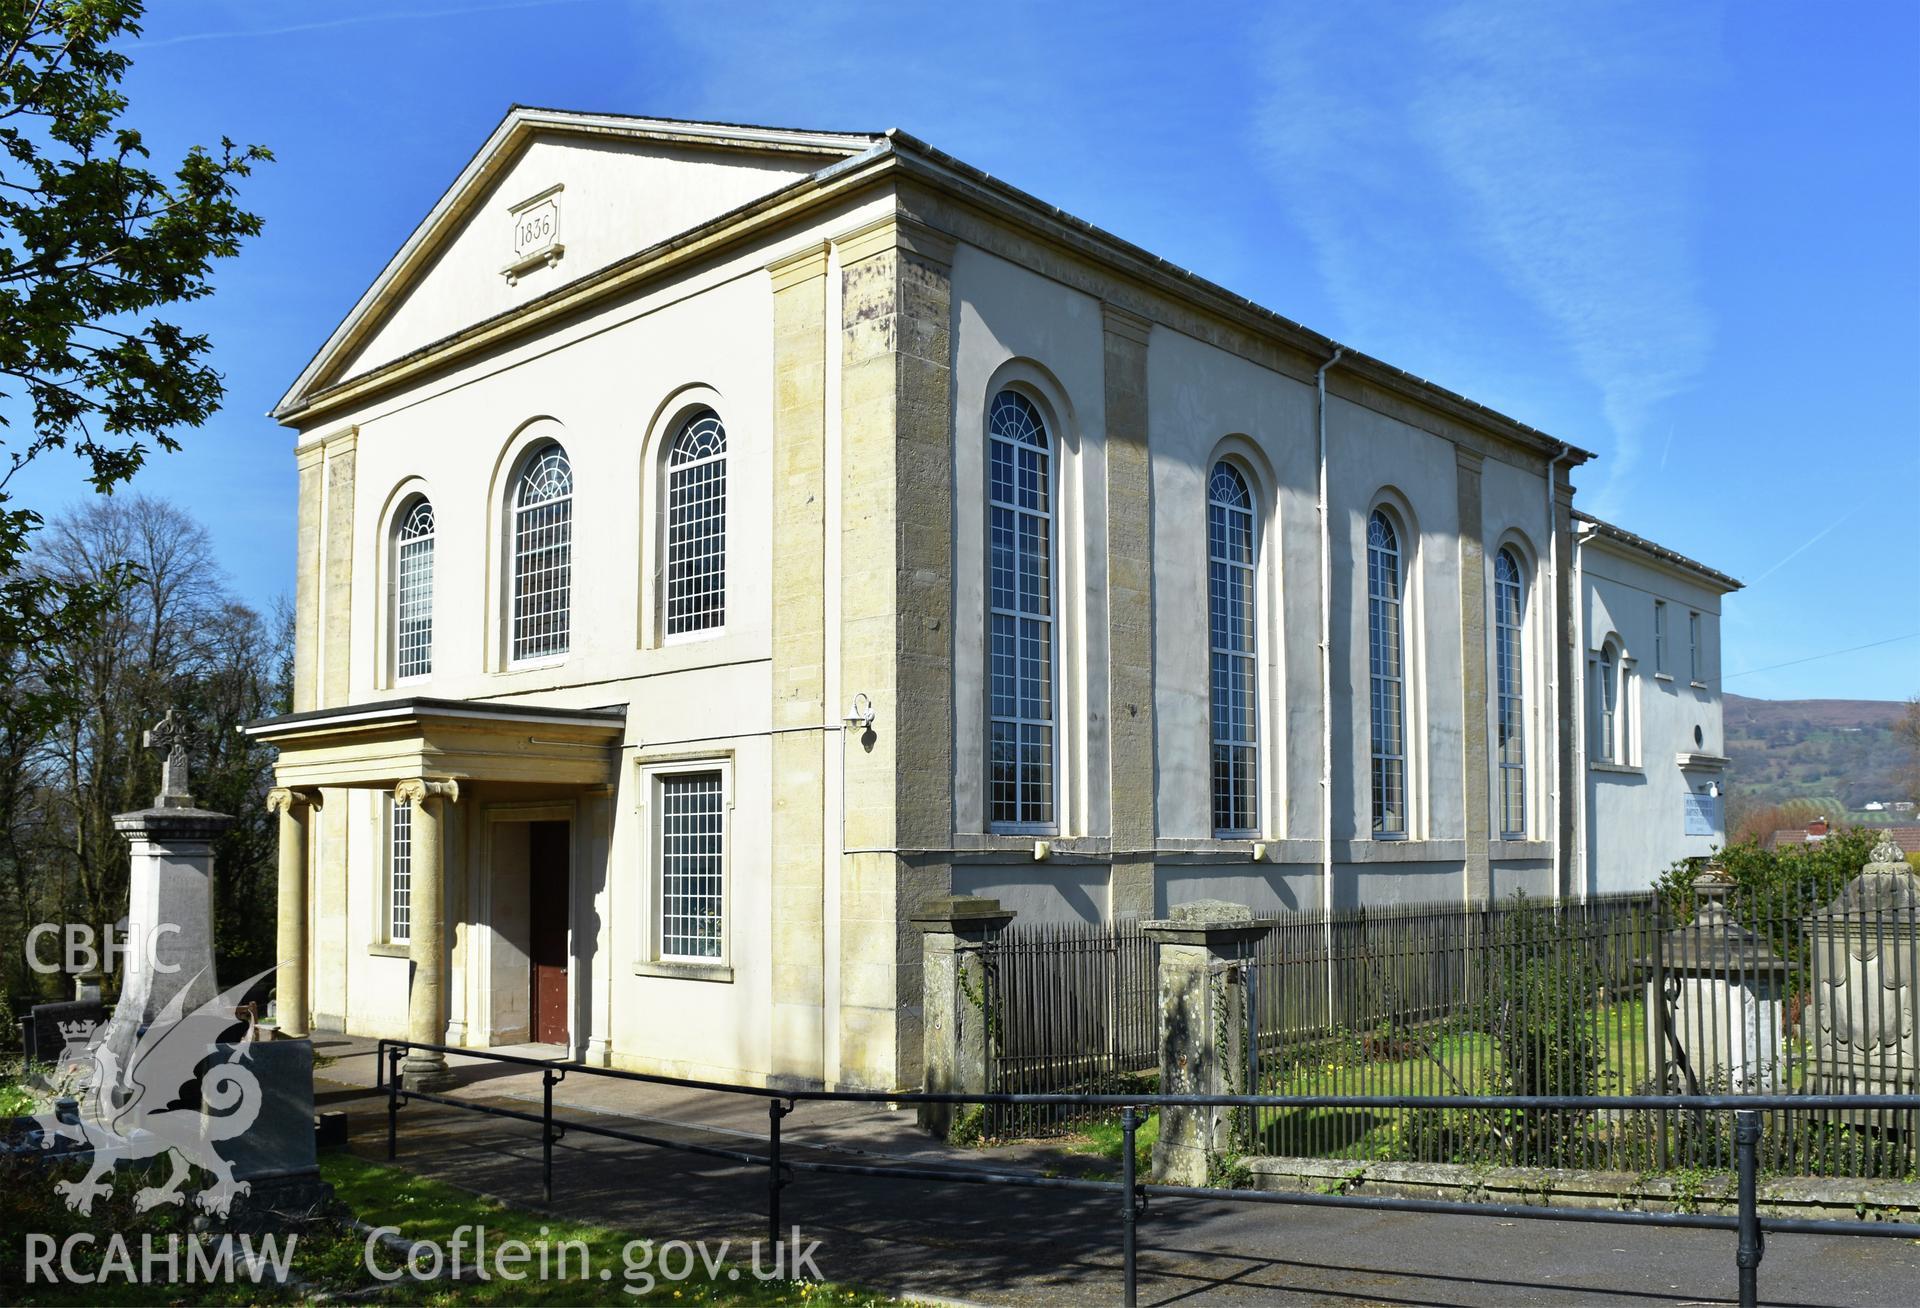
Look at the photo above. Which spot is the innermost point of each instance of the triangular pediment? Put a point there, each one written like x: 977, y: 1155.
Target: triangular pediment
x: 551, y: 198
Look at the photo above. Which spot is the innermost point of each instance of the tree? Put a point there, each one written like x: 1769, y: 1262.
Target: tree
x: 176, y: 638
x: 91, y: 244
x: 1907, y: 732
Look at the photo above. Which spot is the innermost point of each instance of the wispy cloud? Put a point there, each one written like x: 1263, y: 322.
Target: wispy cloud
x: 352, y: 20
x: 1514, y: 140
x: 1801, y: 548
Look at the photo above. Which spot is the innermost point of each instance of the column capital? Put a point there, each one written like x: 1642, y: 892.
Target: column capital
x: 1116, y: 321
x: 415, y: 789
x: 896, y: 231
x: 800, y: 266
x: 283, y: 799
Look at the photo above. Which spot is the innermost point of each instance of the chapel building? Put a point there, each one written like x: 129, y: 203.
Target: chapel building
x: 717, y: 542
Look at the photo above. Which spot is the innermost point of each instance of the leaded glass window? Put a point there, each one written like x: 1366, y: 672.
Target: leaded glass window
x: 413, y: 593
x: 543, y: 556
x: 1387, y: 677
x: 696, y: 545
x: 400, y: 874
x: 1510, y: 744
x: 1230, y: 638
x: 1020, y: 603
x: 692, y: 866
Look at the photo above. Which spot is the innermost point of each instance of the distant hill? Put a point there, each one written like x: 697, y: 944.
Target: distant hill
x: 1839, y: 751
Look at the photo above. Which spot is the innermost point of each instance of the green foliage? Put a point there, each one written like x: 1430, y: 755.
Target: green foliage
x: 93, y: 243
x: 1773, y: 890
x: 1540, y: 981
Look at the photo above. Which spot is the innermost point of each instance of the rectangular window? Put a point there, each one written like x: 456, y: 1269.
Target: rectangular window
x: 1696, y: 672
x: 692, y: 866
x: 1660, y: 637
x: 400, y: 874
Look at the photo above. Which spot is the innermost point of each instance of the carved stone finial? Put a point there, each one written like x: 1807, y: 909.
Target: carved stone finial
x: 1887, y: 852
x: 172, y: 737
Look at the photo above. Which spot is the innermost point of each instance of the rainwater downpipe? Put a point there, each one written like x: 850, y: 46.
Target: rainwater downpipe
x: 1326, y: 676
x: 1555, y: 798
x: 1580, y: 709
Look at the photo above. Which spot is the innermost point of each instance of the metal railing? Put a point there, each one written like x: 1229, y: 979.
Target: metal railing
x: 1748, y: 1223
x: 1604, y: 997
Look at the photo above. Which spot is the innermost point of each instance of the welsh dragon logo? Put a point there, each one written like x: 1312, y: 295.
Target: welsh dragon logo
x: 130, y: 1109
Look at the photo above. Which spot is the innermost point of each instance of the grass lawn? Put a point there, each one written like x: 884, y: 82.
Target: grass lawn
x: 330, y: 1257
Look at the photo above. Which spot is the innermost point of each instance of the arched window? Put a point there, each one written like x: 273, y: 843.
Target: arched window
x: 413, y: 591
x: 543, y: 555
x: 1230, y: 639
x: 696, y: 545
x: 1020, y: 614
x: 1387, y: 677
x: 1509, y: 668
x: 1607, y: 706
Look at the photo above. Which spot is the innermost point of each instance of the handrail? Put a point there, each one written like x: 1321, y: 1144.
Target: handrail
x: 1748, y: 1222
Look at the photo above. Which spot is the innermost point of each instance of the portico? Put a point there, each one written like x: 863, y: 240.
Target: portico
x: 489, y: 928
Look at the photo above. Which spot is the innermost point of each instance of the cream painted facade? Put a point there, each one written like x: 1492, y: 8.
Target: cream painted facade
x: 1653, y: 792
x: 849, y: 307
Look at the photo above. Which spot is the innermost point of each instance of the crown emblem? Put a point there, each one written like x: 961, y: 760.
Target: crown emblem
x: 77, y: 1032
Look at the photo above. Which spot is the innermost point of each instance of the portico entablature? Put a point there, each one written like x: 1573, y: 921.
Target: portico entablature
x: 378, y: 745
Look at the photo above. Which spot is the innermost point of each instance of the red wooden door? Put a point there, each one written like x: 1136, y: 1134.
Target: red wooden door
x: 548, y: 897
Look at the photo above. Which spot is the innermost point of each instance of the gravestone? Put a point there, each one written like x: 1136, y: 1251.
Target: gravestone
x: 61, y: 1033
x: 1724, y: 990
x: 1866, y: 950
x: 276, y: 1155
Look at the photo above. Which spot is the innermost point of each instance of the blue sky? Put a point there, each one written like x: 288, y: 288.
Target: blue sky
x: 1684, y: 236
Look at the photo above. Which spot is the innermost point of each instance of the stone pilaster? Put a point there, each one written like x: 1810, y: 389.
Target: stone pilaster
x: 1474, y: 723
x: 954, y: 935
x: 896, y: 608
x: 799, y: 666
x: 1130, y: 716
x: 295, y: 808
x: 1203, y: 1033
x: 311, y: 518
x: 427, y: 944
x: 333, y: 687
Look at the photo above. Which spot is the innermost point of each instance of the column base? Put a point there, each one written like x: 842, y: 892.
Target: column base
x: 425, y: 1071
x: 599, y: 1052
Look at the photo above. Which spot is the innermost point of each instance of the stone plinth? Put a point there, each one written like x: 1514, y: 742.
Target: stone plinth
x: 958, y: 1028
x: 1203, y: 1032
x: 169, y: 909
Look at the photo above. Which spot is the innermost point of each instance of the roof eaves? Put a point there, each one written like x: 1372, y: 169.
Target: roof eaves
x: 1298, y: 333
x: 1621, y: 536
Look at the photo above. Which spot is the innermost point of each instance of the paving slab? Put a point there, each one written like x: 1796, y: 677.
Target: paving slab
x: 996, y: 1244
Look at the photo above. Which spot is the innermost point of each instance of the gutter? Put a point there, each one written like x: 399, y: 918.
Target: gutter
x: 1326, y: 668
x: 1553, y: 675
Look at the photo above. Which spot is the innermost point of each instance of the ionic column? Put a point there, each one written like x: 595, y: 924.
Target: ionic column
x: 427, y: 945
x: 295, y: 808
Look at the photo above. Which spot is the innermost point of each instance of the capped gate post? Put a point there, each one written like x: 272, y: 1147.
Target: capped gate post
x: 1203, y: 1024
x: 959, y: 1023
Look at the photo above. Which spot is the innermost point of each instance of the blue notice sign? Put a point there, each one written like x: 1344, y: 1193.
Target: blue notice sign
x: 1700, y: 814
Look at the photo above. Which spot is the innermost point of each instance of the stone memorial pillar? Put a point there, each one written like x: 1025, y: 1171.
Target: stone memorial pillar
x: 1203, y: 1031
x: 957, y: 1028
x: 169, y: 892
x: 295, y: 808
x: 427, y: 942
x: 1866, y: 953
